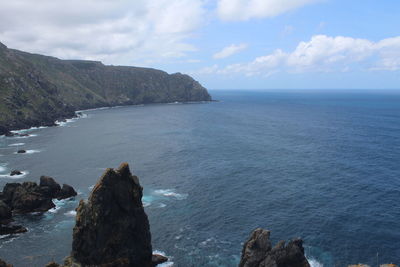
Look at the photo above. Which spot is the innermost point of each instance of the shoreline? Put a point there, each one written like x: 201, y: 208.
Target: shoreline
x: 14, y: 132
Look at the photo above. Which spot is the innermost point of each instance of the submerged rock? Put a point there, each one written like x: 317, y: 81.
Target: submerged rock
x: 112, y: 228
x: 15, y: 172
x: 258, y: 252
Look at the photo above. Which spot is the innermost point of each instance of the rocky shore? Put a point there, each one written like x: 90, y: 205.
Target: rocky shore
x: 112, y: 228
x: 17, y: 198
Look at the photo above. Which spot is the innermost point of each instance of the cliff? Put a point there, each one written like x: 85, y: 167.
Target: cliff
x: 36, y: 90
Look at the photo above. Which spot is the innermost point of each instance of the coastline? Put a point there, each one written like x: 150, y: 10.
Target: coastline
x: 41, y: 125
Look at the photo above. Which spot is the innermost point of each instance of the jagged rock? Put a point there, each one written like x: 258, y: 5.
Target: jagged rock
x: 112, y: 228
x: 4, y: 264
x: 49, y: 187
x: 8, y: 191
x: 15, y: 172
x: 8, y: 229
x: 29, y: 198
x: 21, y: 151
x: 258, y: 252
x: 158, y: 259
x: 67, y: 191
x: 5, y: 212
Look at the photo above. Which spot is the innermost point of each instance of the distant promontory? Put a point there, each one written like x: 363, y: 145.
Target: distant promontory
x: 37, y: 90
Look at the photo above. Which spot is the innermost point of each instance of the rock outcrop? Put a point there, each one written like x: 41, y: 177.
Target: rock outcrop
x: 258, y: 252
x: 4, y: 264
x: 29, y: 197
x: 112, y: 228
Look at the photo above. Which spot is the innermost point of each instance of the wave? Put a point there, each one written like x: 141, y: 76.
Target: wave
x: 169, y: 263
x: 29, y: 129
x: 8, y: 176
x: 170, y: 193
x: 17, y: 144
x: 71, y: 213
x: 147, y: 200
x: 91, y: 109
x: 23, y: 137
x: 59, y: 204
x: 2, y: 168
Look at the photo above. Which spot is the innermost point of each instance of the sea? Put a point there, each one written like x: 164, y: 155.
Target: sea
x: 322, y: 165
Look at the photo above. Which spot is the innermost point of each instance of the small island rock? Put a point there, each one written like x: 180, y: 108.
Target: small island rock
x: 258, y: 252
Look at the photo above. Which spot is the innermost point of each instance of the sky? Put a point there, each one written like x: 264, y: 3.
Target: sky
x: 224, y: 44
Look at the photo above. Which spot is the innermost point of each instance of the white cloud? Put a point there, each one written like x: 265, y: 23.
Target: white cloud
x: 324, y: 54
x: 229, y: 51
x: 117, y: 32
x: 239, y: 10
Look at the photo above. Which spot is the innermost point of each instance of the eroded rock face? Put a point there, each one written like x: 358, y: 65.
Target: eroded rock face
x: 112, y: 228
x: 28, y: 198
x: 5, y: 212
x: 258, y: 252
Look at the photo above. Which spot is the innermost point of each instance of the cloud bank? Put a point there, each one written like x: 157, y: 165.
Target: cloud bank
x: 117, y: 32
x: 322, y: 54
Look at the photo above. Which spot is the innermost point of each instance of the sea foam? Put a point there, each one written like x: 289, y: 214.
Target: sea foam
x: 314, y: 263
x: 8, y: 176
x: 170, y: 193
x: 17, y: 144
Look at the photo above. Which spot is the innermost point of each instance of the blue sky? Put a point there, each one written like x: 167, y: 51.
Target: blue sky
x: 230, y: 44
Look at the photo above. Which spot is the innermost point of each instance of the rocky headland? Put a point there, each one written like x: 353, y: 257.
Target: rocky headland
x: 37, y: 90
x: 27, y: 197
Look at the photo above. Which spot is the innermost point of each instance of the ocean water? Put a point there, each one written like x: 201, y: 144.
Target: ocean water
x: 321, y: 165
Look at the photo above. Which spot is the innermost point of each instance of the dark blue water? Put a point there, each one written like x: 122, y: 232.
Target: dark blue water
x: 323, y: 166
